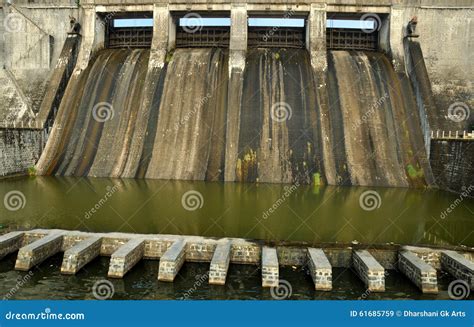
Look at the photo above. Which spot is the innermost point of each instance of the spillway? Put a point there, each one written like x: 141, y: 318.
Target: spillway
x: 369, y: 124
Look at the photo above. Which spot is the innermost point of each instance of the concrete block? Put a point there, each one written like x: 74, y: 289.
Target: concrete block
x: 369, y: 270
x: 320, y: 269
x: 419, y: 272
x: 81, y: 254
x: 10, y: 243
x: 220, y: 264
x: 126, y: 257
x: 458, y: 266
x: 172, y: 261
x: 270, y: 269
x: 38, y: 251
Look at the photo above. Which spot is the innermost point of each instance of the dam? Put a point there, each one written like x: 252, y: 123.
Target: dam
x: 311, y: 137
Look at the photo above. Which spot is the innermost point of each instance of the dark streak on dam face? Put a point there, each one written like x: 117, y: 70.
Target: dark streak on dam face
x: 374, y: 129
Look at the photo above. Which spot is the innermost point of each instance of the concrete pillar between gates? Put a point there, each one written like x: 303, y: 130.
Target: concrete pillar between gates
x: 172, y: 261
x: 220, y: 264
x: 316, y: 36
x: 270, y: 269
x: 418, y: 271
x: 126, y: 257
x: 458, y: 266
x: 81, y: 254
x: 38, y: 251
x: 320, y: 269
x: 10, y: 243
x: 369, y: 270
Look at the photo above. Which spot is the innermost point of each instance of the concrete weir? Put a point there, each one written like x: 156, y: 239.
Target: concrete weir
x: 419, y: 264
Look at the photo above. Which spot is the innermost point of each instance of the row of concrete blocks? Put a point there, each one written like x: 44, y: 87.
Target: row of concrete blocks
x: 371, y: 272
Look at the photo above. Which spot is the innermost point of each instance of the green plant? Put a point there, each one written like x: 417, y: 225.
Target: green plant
x: 32, y: 171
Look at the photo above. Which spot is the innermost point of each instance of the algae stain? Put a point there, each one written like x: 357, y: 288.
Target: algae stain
x: 32, y: 171
x: 317, y: 179
x: 413, y: 172
x: 247, y: 167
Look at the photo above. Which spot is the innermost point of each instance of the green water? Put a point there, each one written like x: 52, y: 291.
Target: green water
x: 255, y: 211
x: 298, y: 213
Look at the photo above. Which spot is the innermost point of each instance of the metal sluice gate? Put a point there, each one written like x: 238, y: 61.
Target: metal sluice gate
x: 208, y: 37
x: 351, y: 39
x: 129, y: 37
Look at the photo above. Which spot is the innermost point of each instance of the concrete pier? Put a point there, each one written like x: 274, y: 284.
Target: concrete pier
x: 126, y: 257
x: 10, y: 243
x: 418, y: 271
x: 172, y: 261
x: 80, y: 255
x: 320, y: 269
x: 369, y: 270
x: 38, y: 251
x: 270, y: 269
x: 220, y: 264
x: 458, y: 266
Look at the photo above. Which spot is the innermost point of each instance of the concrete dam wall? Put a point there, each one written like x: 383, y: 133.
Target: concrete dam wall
x: 374, y: 124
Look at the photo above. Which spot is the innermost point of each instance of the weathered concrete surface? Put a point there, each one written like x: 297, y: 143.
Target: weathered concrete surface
x: 220, y: 264
x: 126, y: 257
x: 320, y: 269
x: 458, y: 266
x: 369, y: 270
x: 38, y: 251
x: 10, y: 243
x: 172, y: 261
x: 81, y: 254
x: 270, y: 268
x: 418, y: 271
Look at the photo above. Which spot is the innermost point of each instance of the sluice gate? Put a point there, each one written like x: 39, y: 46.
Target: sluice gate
x: 419, y: 265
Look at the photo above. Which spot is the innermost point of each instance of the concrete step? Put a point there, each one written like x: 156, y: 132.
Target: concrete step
x: 458, y: 266
x: 126, y: 257
x: 418, y: 271
x: 369, y: 270
x: 38, y: 251
x: 220, y: 264
x: 320, y: 269
x: 270, y: 268
x: 81, y: 254
x: 172, y: 261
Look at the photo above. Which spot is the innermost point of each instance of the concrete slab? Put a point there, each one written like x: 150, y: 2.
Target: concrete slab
x: 172, y: 261
x: 419, y: 272
x: 458, y: 266
x: 369, y: 270
x: 38, y: 251
x: 126, y: 257
x: 270, y: 268
x: 10, y: 243
x: 81, y: 254
x: 320, y: 269
x: 220, y: 264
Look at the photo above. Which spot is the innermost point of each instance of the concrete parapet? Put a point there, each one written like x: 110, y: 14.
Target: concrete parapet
x: 220, y: 264
x: 172, y: 261
x: 419, y: 272
x: 126, y: 257
x: 458, y: 266
x: 10, y: 242
x: 81, y: 254
x: 320, y: 269
x: 38, y: 251
x: 270, y: 269
x: 369, y: 270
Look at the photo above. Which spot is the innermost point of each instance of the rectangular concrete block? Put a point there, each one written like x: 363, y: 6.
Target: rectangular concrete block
x: 81, y: 254
x: 419, y: 272
x: 270, y: 268
x: 369, y: 270
x: 458, y: 266
x: 320, y: 269
x: 126, y: 257
x: 10, y: 243
x: 38, y: 251
x: 172, y: 261
x: 220, y: 264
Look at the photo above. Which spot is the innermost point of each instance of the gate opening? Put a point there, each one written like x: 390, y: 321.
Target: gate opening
x: 134, y: 30
x: 196, y: 31
x: 353, y: 32
x: 265, y: 32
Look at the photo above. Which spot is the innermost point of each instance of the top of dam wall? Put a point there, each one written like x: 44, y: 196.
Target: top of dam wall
x: 303, y: 4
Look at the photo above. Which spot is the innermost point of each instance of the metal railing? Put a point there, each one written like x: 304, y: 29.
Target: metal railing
x: 206, y: 37
x: 351, y: 39
x: 129, y: 37
x: 276, y: 37
x: 452, y: 135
